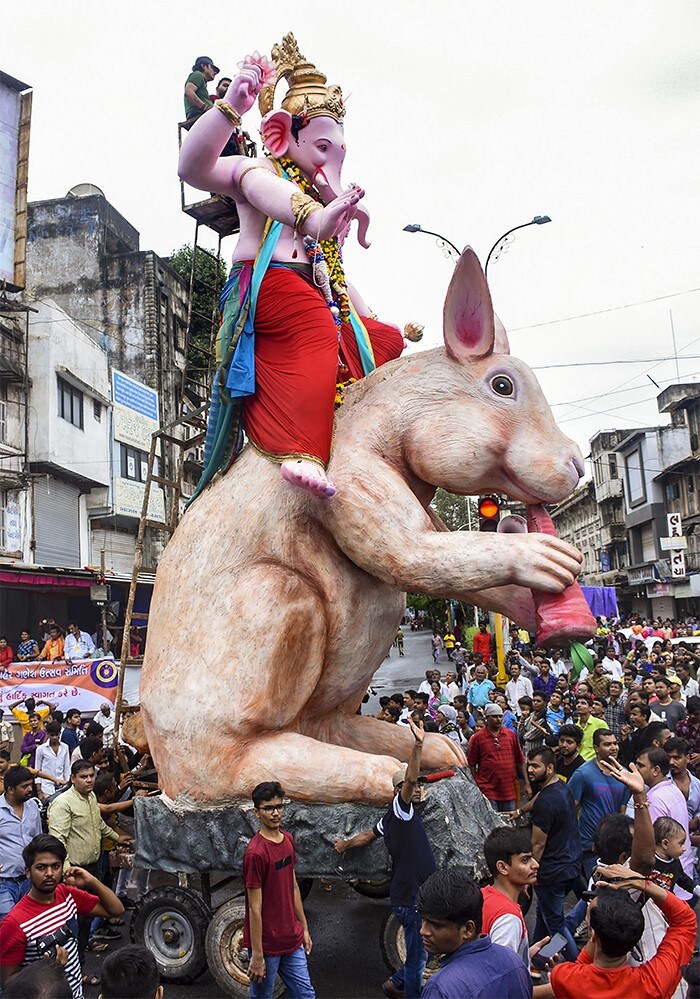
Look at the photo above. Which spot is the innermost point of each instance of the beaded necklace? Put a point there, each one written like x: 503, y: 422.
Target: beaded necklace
x: 328, y: 247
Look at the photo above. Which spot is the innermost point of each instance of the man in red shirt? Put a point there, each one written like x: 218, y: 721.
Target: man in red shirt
x: 481, y: 642
x: 7, y: 654
x: 495, y: 759
x: 45, y: 920
x: 616, y: 924
x: 275, y: 929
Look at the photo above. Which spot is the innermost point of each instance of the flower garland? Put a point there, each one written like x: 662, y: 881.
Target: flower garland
x: 329, y: 247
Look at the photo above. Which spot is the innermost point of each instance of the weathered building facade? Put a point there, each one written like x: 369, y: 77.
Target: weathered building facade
x: 105, y: 357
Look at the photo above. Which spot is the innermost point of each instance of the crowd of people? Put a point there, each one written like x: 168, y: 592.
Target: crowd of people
x: 593, y: 766
x: 65, y: 810
x: 59, y: 644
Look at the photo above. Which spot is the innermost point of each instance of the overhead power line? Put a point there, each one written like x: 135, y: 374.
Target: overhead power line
x: 601, y: 312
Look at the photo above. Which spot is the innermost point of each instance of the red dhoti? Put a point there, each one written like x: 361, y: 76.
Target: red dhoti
x: 296, y: 367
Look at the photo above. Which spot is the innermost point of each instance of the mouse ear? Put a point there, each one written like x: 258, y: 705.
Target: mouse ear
x: 500, y: 340
x: 467, y: 318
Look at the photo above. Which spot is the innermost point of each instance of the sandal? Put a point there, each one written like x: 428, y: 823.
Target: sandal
x: 96, y: 947
x: 90, y: 981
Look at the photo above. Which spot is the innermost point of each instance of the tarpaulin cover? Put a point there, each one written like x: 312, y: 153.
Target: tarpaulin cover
x: 601, y: 600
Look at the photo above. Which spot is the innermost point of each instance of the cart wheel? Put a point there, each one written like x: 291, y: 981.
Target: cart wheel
x: 226, y: 956
x: 172, y: 923
x: 392, y: 942
x: 393, y: 946
x: 371, y: 889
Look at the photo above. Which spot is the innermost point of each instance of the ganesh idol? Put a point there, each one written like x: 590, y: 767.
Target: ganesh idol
x: 292, y: 330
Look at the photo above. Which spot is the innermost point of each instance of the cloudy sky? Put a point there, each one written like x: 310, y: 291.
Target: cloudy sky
x: 467, y: 117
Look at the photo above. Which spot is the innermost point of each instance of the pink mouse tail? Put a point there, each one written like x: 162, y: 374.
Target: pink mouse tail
x: 561, y: 617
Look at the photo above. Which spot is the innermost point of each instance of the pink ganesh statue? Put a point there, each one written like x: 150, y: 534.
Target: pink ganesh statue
x: 292, y: 329
x: 285, y: 604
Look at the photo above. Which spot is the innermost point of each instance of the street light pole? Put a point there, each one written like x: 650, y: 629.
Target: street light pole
x: 445, y: 245
x: 501, y: 241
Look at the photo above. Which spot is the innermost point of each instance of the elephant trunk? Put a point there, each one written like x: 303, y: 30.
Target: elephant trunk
x: 329, y: 188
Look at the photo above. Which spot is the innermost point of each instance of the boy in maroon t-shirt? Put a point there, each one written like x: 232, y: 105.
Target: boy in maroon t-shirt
x: 275, y: 929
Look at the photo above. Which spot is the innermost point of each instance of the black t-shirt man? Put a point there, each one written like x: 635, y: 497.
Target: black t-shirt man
x: 554, y: 812
x: 407, y: 842
x: 565, y: 768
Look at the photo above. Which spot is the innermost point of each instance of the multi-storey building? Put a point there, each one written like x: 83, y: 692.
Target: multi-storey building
x: 618, y: 520
x: 15, y: 506
x: 612, y: 553
x: 679, y: 477
x: 578, y: 520
x: 106, y: 353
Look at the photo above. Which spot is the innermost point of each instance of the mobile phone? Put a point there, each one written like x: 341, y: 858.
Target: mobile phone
x: 553, y: 947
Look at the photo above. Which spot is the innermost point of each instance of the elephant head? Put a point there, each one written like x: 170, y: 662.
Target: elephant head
x: 318, y: 148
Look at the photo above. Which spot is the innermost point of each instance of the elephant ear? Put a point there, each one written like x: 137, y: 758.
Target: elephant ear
x: 276, y: 129
x: 468, y: 319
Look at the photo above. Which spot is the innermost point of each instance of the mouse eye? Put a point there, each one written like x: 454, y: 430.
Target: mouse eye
x: 502, y: 385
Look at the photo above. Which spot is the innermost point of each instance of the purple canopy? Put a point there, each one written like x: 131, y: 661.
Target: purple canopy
x: 601, y: 600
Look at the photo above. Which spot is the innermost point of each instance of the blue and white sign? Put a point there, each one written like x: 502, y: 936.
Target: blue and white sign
x: 134, y: 395
x: 135, y: 411
x: 605, y: 560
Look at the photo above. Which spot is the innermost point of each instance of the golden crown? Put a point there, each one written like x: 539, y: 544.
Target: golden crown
x: 307, y: 96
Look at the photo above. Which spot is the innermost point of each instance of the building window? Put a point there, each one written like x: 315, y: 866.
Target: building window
x: 3, y: 520
x: 70, y: 403
x: 673, y: 491
x: 134, y: 464
x: 636, y: 487
x: 97, y: 410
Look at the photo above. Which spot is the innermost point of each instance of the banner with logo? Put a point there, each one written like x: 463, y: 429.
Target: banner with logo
x: 83, y: 684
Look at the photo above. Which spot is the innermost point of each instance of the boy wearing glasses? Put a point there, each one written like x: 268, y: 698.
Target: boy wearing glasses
x: 275, y: 930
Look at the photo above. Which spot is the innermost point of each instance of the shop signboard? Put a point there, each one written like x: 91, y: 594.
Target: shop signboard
x: 136, y: 419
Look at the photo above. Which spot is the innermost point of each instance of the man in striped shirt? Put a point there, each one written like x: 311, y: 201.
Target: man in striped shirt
x: 45, y: 920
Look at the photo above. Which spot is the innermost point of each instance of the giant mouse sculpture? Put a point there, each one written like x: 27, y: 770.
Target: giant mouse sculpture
x: 273, y: 608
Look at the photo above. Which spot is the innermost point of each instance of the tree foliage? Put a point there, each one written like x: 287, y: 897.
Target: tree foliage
x: 205, y: 304
x: 434, y: 608
x: 455, y: 511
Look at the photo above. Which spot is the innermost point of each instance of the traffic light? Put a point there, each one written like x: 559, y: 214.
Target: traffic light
x: 489, y: 513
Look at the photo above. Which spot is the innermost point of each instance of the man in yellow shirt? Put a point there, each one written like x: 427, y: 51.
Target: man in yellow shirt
x: 74, y: 818
x: 53, y: 650
x: 31, y: 708
x: 588, y: 725
x: 448, y: 641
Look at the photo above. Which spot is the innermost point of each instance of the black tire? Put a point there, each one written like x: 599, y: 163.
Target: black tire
x: 393, y: 946
x: 172, y: 923
x: 372, y: 889
x: 392, y: 942
x: 228, y: 961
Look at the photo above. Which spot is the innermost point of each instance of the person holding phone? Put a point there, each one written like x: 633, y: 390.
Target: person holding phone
x: 616, y: 925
